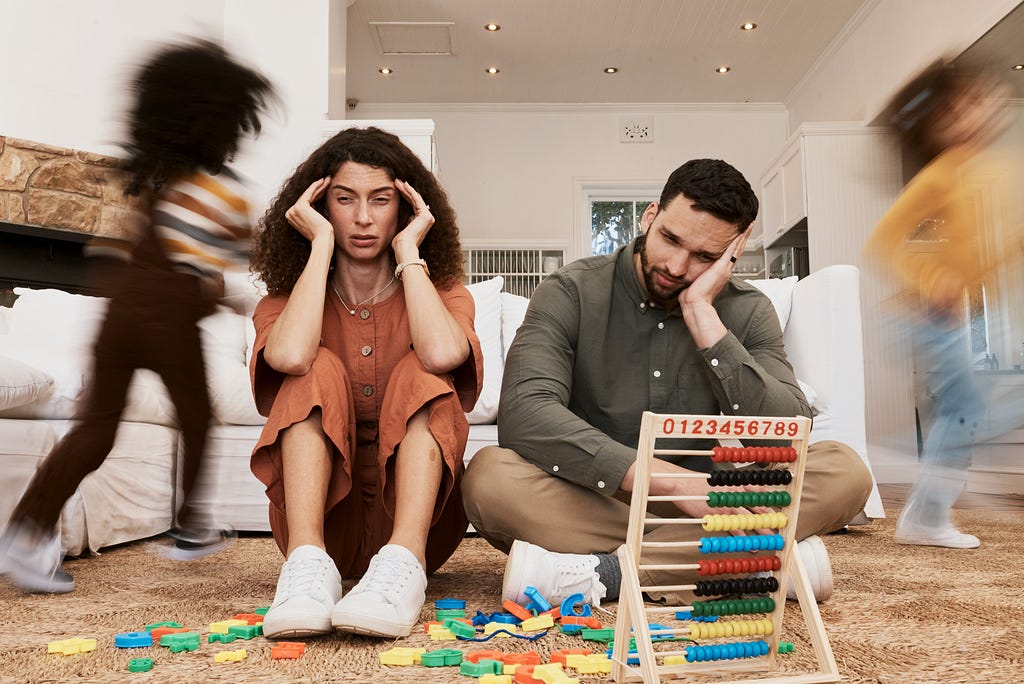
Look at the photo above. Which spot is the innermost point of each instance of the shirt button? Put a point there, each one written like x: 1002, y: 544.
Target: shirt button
x: 364, y: 314
x: 643, y: 305
x: 554, y: 469
x: 367, y: 390
x: 735, y: 407
x: 661, y: 326
x: 366, y: 351
x: 600, y: 484
x: 657, y: 374
x: 714, y: 362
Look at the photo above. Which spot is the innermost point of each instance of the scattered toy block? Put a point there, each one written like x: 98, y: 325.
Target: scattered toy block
x: 181, y: 641
x: 552, y: 673
x: 571, y: 603
x: 287, y: 650
x: 401, y: 656
x: 524, y: 675
x: 223, y: 626
x: 660, y: 632
x: 441, y: 633
x: 140, y: 664
x: 442, y: 657
x: 561, y: 656
x: 537, y: 601
x: 537, y: 623
x: 450, y: 604
x: 443, y: 615
x: 160, y: 632
x: 150, y: 628
x: 597, y: 663
x: 583, y: 620
x: 230, y: 656
x: 480, y: 668
x: 496, y: 679
x: 246, y: 631
x: 249, y: 618
x: 514, y: 608
x: 605, y: 634
x: 570, y: 629
x: 214, y: 637
x: 460, y: 629
x: 555, y: 613
x: 489, y: 654
x: 526, y: 658
x: 72, y: 646
x: 262, y: 611
x: 504, y: 630
x: 133, y: 640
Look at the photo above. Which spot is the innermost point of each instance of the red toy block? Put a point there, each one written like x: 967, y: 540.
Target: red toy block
x: 250, y: 618
x: 588, y: 621
x: 555, y: 613
x: 527, y: 658
x: 160, y: 631
x: 511, y: 606
x: 476, y: 656
x: 287, y: 650
x: 559, y: 656
x: 524, y: 675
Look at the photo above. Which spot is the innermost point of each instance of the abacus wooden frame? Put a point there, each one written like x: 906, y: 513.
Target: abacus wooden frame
x: 632, y: 612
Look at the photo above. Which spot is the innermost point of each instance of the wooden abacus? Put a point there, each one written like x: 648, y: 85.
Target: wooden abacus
x: 758, y: 655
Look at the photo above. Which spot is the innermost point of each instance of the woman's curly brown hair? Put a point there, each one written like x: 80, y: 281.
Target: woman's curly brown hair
x: 280, y: 252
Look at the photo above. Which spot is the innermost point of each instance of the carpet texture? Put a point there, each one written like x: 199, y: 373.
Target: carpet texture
x: 899, y: 614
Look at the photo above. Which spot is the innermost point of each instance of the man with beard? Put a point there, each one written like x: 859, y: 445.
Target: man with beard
x: 659, y: 325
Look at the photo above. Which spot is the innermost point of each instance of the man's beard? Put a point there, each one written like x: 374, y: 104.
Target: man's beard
x: 665, y: 299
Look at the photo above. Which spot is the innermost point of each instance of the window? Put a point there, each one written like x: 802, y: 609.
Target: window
x: 610, y: 212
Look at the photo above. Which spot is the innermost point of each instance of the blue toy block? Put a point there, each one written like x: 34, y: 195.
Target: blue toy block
x: 568, y: 606
x: 655, y: 627
x: 537, y: 601
x: 632, y: 659
x: 133, y: 640
x: 480, y: 619
x: 507, y: 618
x: 450, y: 604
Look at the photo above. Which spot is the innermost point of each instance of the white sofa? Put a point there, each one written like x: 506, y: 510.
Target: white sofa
x: 45, y: 350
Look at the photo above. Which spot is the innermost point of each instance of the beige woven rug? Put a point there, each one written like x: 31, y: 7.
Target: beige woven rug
x: 899, y: 614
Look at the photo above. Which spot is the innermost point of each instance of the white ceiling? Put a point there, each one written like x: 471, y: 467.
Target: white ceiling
x: 553, y: 51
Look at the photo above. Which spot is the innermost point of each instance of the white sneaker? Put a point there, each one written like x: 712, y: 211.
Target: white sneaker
x: 388, y: 599
x: 307, y: 590
x: 555, y: 575
x: 945, y: 535
x: 818, y: 566
x: 31, y: 559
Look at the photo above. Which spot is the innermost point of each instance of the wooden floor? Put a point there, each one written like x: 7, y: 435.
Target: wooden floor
x: 893, y: 496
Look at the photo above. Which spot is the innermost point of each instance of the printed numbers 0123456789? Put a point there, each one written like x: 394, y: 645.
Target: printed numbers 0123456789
x: 730, y: 427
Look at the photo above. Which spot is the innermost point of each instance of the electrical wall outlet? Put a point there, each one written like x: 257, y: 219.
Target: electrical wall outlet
x: 636, y: 130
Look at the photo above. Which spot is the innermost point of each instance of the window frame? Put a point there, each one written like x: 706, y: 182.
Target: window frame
x: 589, y: 190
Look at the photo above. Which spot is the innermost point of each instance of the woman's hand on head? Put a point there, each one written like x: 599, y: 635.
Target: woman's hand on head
x: 304, y: 218
x: 406, y: 243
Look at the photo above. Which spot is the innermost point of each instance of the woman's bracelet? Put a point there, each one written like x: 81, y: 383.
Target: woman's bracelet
x: 405, y: 264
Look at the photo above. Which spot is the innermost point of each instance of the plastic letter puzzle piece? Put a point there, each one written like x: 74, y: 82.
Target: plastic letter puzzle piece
x: 524, y: 675
x: 181, y: 641
x: 496, y: 679
x: 582, y: 620
x: 223, y: 626
x: 503, y: 631
x: 263, y: 610
x: 246, y: 631
x: 477, y: 656
x: 287, y: 650
x: 440, y: 633
x: 537, y: 601
x: 527, y: 658
x: 72, y: 646
x: 401, y: 656
x: 597, y: 663
x: 214, y: 637
x: 570, y: 629
x: 160, y: 632
x: 133, y: 640
x: 660, y: 632
x: 140, y: 664
x: 511, y: 606
x: 570, y: 603
x: 460, y: 629
x: 552, y: 673
x: 230, y: 656
x: 538, y: 623
x: 150, y: 628
x: 507, y: 618
x: 480, y: 668
x: 561, y: 656
x: 606, y: 634
x: 450, y: 604
x: 786, y: 647
x: 442, y: 657
x: 249, y: 618
x: 443, y: 615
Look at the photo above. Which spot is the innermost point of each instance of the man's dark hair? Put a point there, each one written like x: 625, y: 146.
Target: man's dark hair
x: 192, y: 103
x: 713, y: 186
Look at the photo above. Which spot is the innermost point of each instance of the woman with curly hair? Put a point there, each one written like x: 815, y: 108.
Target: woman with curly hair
x: 364, y: 362
x: 192, y: 104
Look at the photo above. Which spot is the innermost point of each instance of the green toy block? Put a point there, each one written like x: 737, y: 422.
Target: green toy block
x: 140, y: 664
x: 222, y: 638
x: 245, y: 631
x: 444, y: 613
x: 181, y: 641
x: 606, y: 634
x: 262, y: 611
x: 442, y: 657
x: 460, y: 629
x: 150, y: 628
x: 786, y: 647
x: 481, y: 667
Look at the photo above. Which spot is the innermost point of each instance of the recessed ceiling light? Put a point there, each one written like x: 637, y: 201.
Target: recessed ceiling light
x: 492, y: 70
x: 385, y: 71
x: 611, y: 70
x: 749, y: 26
x: 1018, y: 67
x: 492, y: 27
x: 724, y: 69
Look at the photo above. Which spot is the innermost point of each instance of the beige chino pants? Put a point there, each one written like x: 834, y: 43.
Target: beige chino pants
x: 507, y: 498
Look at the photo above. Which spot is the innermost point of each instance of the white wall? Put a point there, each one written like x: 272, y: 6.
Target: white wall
x: 510, y: 170
x: 881, y: 48
x: 68, y: 62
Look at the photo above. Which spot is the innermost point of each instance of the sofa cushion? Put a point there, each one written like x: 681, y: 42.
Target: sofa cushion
x: 225, y: 352
x: 780, y: 292
x: 513, y: 310
x: 21, y: 383
x: 487, y: 321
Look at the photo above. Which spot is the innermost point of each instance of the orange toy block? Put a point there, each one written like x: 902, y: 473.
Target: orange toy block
x: 527, y: 658
x: 511, y: 606
x: 250, y: 618
x: 287, y: 650
x: 161, y: 631
x: 524, y: 675
x: 559, y: 656
x: 475, y: 656
x: 587, y: 621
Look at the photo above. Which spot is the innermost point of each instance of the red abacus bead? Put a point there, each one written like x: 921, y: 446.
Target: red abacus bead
x: 717, y: 454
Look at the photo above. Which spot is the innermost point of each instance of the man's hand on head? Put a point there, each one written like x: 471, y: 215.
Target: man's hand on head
x: 697, y: 301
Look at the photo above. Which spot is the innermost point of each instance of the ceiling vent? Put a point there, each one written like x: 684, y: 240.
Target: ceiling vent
x: 636, y: 130
x: 413, y: 37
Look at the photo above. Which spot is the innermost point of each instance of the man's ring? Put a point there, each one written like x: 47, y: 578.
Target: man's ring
x: 732, y: 259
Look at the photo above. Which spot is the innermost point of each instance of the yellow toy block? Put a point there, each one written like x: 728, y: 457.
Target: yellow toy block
x: 510, y: 668
x: 675, y: 660
x: 72, y: 646
x: 230, y: 656
x: 596, y: 663
x: 538, y: 623
x: 492, y: 627
x: 439, y: 633
x: 222, y: 626
x: 401, y: 656
x: 552, y: 673
x: 495, y: 679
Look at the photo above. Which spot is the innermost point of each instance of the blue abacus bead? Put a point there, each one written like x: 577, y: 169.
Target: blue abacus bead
x: 691, y: 654
x: 764, y: 648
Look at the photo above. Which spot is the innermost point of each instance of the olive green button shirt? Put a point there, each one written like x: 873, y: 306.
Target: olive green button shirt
x: 592, y: 354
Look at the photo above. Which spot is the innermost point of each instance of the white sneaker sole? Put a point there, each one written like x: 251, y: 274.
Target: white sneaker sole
x: 31, y: 582
x: 971, y: 542
x: 369, y: 626
x: 296, y: 627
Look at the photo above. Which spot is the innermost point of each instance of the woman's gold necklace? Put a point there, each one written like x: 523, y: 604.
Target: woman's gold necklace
x: 352, y: 310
